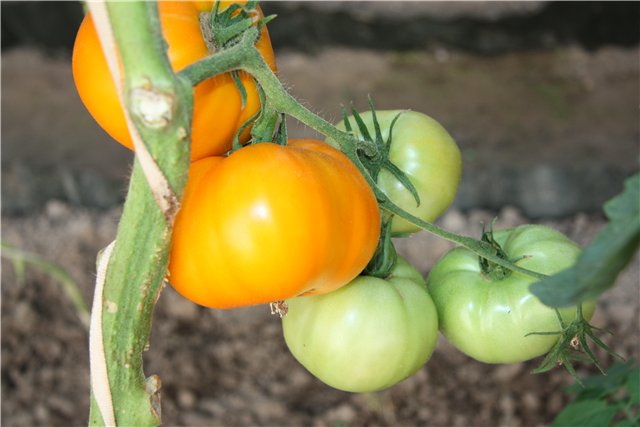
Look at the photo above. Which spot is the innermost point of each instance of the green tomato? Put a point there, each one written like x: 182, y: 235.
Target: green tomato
x: 422, y: 149
x: 489, y: 318
x: 367, y: 335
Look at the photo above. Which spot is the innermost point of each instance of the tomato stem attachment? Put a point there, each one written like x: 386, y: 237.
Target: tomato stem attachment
x: 229, y: 25
x: 374, y: 150
x: 573, y: 345
x: 385, y: 257
x: 266, y: 125
x: 491, y: 269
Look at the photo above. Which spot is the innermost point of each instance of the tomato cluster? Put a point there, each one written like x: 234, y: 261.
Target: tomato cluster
x: 299, y: 223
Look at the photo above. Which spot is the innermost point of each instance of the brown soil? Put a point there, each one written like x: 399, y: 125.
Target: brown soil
x: 232, y: 368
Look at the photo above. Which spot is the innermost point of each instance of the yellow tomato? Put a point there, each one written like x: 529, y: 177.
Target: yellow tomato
x: 272, y: 222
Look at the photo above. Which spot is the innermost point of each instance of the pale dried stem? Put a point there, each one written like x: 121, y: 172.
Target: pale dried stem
x: 97, y: 359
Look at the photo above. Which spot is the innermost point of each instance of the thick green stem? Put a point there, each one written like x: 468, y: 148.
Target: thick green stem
x: 137, y: 268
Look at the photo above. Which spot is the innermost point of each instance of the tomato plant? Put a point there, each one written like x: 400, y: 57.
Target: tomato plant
x: 298, y: 222
x: 271, y: 222
x: 217, y: 109
x: 367, y: 335
x: 488, y: 312
x: 423, y: 150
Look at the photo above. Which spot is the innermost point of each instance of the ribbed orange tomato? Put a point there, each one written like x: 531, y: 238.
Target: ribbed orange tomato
x: 271, y: 222
x: 217, y: 112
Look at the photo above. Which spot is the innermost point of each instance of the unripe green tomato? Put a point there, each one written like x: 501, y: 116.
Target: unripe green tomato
x: 368, y: 335
x: 489, y: 318
x: 427, y: 154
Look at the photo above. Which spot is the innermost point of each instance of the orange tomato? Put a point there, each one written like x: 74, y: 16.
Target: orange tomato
x: 271, y: 222
x: 217, y: 112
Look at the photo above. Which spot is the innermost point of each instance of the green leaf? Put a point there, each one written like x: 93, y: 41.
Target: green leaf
x: 604, y: 386
x: 633, y: 386
x: 596, y: 269
x: 585, y: 413
x: 627, y: 423
x: 625, y: 205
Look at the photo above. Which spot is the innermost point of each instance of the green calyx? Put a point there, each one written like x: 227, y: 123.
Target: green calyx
x: 227, y: 26
x: 373, y: 150
x: 385, y: 257
x: 573, y: 345
x: 490, y: 268
x: 226, y: 31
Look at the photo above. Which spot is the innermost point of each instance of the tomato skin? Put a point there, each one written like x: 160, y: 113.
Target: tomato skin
x: 217, y: 112
x: 427, y: 154
x: 271, y: 222
x: 488, y: 319
x: 367, y: 335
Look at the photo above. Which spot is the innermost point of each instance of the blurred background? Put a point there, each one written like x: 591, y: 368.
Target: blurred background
x: 542, y: 98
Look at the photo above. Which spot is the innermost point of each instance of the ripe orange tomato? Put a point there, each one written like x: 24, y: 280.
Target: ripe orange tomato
x: 271, y: 222
x: 217, y: 112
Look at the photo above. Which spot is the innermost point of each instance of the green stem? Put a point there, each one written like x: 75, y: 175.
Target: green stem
x: 137, y: 268
x: 223, y: 61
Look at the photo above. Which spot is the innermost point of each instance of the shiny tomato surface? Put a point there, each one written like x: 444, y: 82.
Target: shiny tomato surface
x: 272, y: 222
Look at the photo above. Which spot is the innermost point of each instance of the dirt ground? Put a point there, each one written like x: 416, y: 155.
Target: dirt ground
x: 551, y: 132
x: 232, y: 368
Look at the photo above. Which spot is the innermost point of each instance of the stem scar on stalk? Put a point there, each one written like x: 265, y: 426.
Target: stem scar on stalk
x: 152, y: 106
